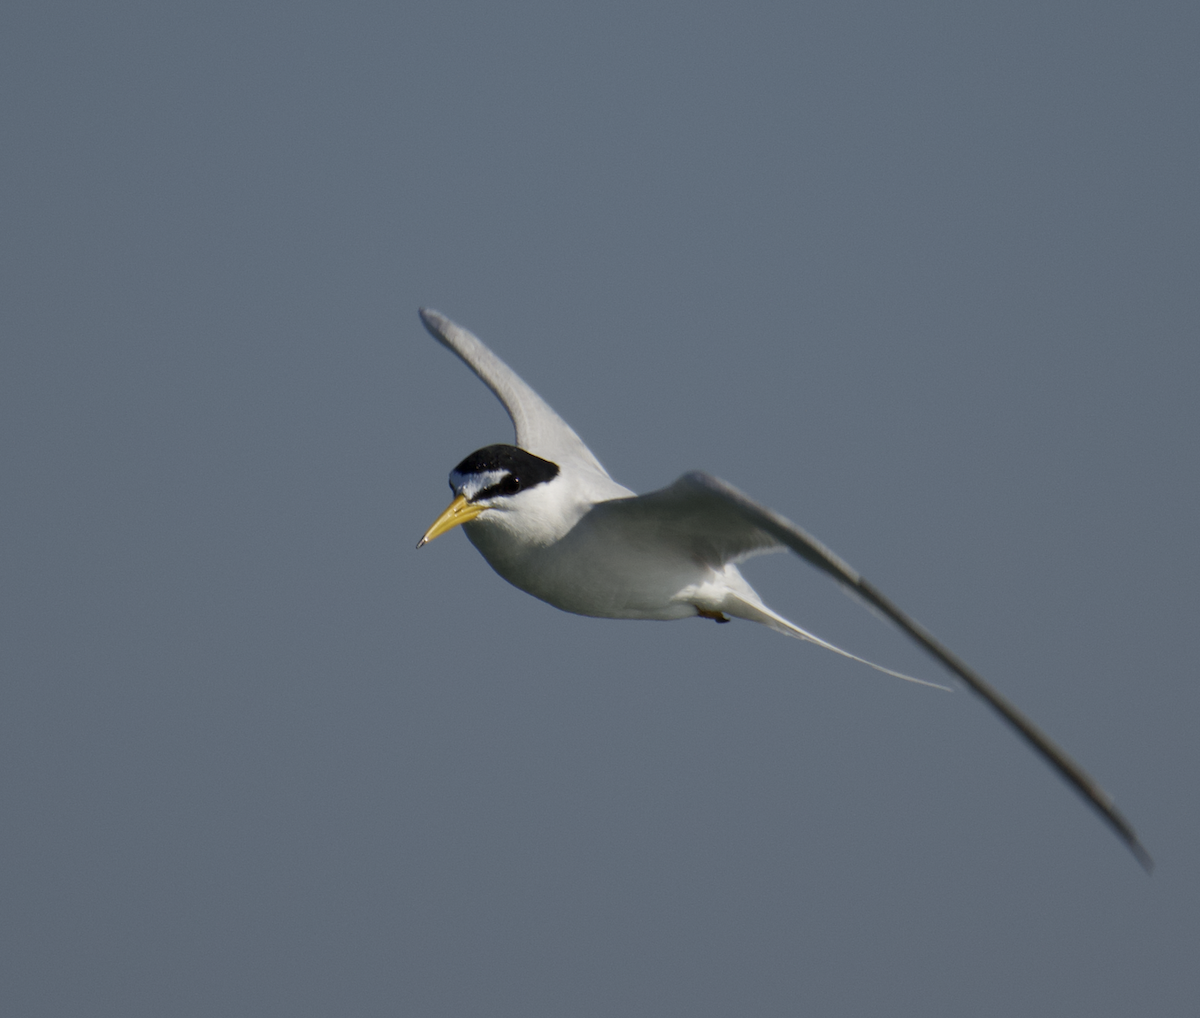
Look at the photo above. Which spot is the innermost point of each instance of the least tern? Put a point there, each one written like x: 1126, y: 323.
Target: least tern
x: 547, y: 517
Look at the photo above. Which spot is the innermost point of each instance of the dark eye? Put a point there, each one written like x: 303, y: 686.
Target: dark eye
x: 510, y: 485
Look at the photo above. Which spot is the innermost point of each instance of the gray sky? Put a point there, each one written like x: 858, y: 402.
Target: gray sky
x: 921, y: 277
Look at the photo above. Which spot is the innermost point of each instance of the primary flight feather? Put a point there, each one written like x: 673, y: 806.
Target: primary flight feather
x: 549, y: 519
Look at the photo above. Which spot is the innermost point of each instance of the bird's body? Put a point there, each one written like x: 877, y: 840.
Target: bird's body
x: 548, y: 518
x: 575, y: 541
x: 600, y: 550
x: 590, y: 560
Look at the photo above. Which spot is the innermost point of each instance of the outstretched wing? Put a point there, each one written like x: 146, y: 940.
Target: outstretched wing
x: 539, y: 429
x: 717, y: 523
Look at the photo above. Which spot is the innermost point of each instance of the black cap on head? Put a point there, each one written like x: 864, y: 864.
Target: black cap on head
x: 500, y: 470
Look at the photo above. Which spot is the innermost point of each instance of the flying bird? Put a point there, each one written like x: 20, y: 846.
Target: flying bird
x: 548, y: 518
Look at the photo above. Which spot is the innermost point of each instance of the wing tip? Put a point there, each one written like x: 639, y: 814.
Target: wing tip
x: 436, y: 322
x: 1142, y: 856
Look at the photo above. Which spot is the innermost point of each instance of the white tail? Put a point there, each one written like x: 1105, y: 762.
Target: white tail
x: 759, y: 612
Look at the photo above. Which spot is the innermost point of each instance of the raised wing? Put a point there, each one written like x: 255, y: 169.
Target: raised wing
x: 539, y: 429
x: 717, y: 523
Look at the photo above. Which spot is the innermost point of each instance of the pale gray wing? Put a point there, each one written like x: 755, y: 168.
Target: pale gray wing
x: 539, y: 429
x: 717, y: 523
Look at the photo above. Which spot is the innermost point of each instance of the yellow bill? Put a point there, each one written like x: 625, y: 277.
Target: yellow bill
x: 458, y: 511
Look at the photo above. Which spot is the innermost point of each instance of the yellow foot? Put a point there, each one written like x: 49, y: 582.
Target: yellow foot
x: 704, y: 613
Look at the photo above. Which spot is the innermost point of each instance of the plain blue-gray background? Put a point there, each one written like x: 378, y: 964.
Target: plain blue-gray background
x: 922, y: 277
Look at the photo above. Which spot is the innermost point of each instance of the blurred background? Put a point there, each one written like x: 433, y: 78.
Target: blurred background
x: 921, y: 277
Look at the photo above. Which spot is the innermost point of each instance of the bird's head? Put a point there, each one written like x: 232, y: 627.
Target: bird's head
x: 492, y: 481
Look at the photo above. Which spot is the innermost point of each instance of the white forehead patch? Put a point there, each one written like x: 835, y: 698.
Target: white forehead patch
x: 472, y: 484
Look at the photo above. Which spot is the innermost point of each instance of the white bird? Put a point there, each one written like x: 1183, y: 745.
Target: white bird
x: 547, y: 517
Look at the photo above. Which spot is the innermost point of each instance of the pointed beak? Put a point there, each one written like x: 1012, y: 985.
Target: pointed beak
x: 458, y: 511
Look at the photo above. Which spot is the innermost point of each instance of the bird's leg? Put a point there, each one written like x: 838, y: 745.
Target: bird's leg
x: 704, y: 613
